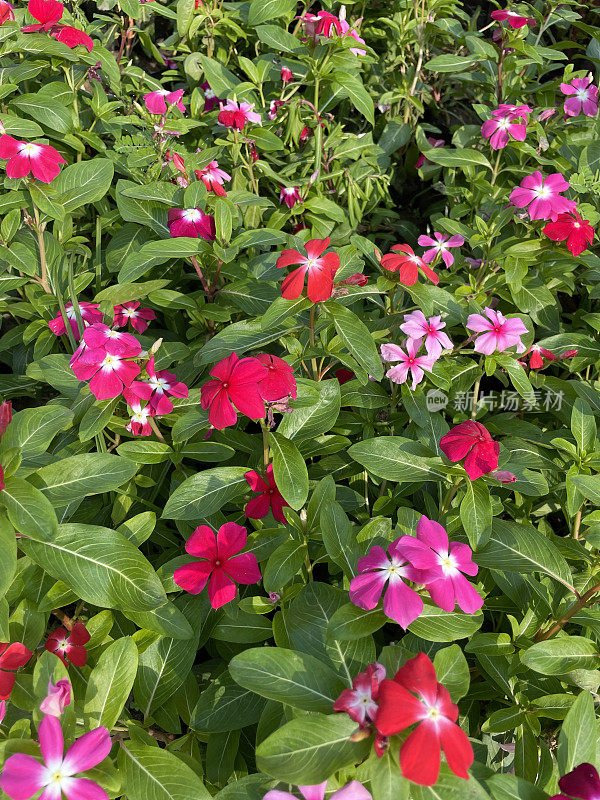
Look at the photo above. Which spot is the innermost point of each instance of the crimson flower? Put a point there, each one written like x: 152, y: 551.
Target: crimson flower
x: 321, y: 270
x: 537, y: 355
x: 471, y: 441
x: 6, y: 12
x: 48, y: 14
x: 236, y: 384
x: 12, y: 657
x: 237, y: 115
x: 415, y: 696
x: 269, y: 497
x: 69, y: 646
x: 514, y: 20
x: 279, y: 382
x: 156, y: 390
x: 219, y: 563
x: 582, y: 783
x: 360, y: 702
x: 41, y: 160
x: 210, y: 98
x: 405, y: 261
x: 131, y: 312
x: 577, y: 232
x: 192, y: 222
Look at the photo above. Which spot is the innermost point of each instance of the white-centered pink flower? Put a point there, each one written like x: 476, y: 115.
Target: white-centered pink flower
x: 90, y: 313
x: 113, y: 342
x: 131, y: 312
x: 417, y: 326
x: 440, y: 245
x: 213, y: 178
x: 191, y: 222
x: 290, y: 195
x: 497, y: 332
x: 410, y: 363
x: 508, y: 121
x: 542, y: 196
x: 108, y: 374
x: 582, y: 95
x: 41, y: 160
x: 139, y: 424
x: 360, y: 702
x: 156, y: 390
x: 161, y: 100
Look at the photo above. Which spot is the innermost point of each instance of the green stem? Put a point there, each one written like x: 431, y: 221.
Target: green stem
x: 265, y: 437
x: 39, y: 229
x: 311, y: 333
x: 318, y: 131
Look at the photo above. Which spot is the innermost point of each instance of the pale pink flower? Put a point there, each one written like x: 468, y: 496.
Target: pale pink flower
x: 497, y: 332
x: 159, y: 101
x: 439, y: 246
x: 58, y: 697
x: 418, y: 327
x: 410, y: 362
x: 352, y: 791
x: 541, y: 196
x: 290, y: 195
x: 582, y: 97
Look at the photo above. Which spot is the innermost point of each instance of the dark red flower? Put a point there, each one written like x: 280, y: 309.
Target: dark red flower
x: 12, y: 657
x: 269, y: 497
x: 69, y: 646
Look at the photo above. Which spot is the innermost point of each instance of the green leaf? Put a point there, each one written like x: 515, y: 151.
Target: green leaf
x: 45, y: 111
x: 145, y: 452
x: 151, y: 773
x: 357, y: 338
x: 390, y: 457
x: 575, y: 745
x: 33, y: 429
x: 283, y: 564
x: 358, y: 95
x: 456, y: 157
x: 512, y: 787
x: 583, y: 426
x: 110, y: 683
x: 163, y: 667
x: 476, y: 513
x: 289, y: 470
x: 337, y: 537
x: 436, y: 625
x: 81, y: 476
x: 387, y: 782
x: 453, y: 671
x: 263, y: 10
x: 589, y: 486
x: 449, y: 62
x: 351, y: 622
x: 221, y: 80
x: 83, y: 183
x: 226, y: 706
x: 151, y: 254
x: 29, y: 510
x: 282, y: 309
x: 279, y: 39
x: 206, y: 492
x: 307, y: 422
x: 8, y: 548
x: 557, y: 656
x: 96, y: 418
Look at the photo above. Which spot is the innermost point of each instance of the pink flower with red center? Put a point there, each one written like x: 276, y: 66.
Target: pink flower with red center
x: 320, y: 267
x: 69, y: 646
x: 139, y: 424
x: 582, y: 97
x: 542, y: 196
x: 449, y: 586
x: 360, y: 702
x: 131, y: 312
x: 108, y: 374
x: 440, y: 245
x: 325, y: 23
x: 210, y: 98
x: 219, y: 566
x: 213, y: 178
x: 415, y: 696
x: 6, y: 12
x: 572, y: 229
x: 286, y: 75
x: 582, y: 783
x: 57, y: 699
x: 269, y: 497
x: 351, y: 791
x: 156, y: 390
x: 24, y: 776
x: 48, y: 14
x: 115, y: 343
x: 537, y: 355
x: 12, y: 657
x: 235, y: 386
x: 435, y: 143
x: 407, y: 263
x: 375, y: 570
x: 192, y: 222
x: 514, y: 20
x: 472, y: 441
x: 290, y: 195
x: 411, y: 363
x: 497, y: 332
x: 506, y: 123
x: 159, y: 101
x: 418, y: 327
x: 90, y: 313
x: 41, y: 160
x: 237, y: 115
x: 279, y: 381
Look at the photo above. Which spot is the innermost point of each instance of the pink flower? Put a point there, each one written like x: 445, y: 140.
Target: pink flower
x: 542, y: 196
x: 69, y: 646
x: 506, y: 122
x: 159, y: 101
x: 90, y: 313
x: 472, y: 441
x: 139, y: 424
x: 279, y: 382
x: 274, y: 106
x: 57, y: 699
x: 434, y: 143
x: 286, y: 75
x: 192, y: 222
x: 410, y: 362
x: 269, y: 497
x: 400, y: 603
x: 446, y: 583
x: 360, y: 702
x: 237, y: 115
x: 115, y: 343
x: 41, y: 160
x: 109, y: 374
x: 210, y: 98
x: 440, y: 245
x: 514, y: 20
x: 2, y: 710
x: 325, y: 23
x: 582, y: 783
x: 351, y: 791
x: 320, y: 268
x: 498, y: 332
x: 5, y: 416
x: 156, y: 390
x: 290, y: 195
x: 213, y: 178
x: 236, y: 384
x: 219, y: 563
x: 6, y: 12
x: 577, y: 232
x: 138, y: 317
x: 23, y: 776
x: 416, y: 326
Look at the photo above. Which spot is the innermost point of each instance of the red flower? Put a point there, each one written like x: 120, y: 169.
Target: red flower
x: 415, y: 696
x: 279, y: 382
x: 537, y: 355
x: 5, y: 416
x: 42, y: 160
x: 269, y: 498
x: 12, y: 657
x: 320, y: 268
x: 219, y: 563
x: 360, y: 702
x: 408, y: 264
x: 69, y: 645
x: 48, y: 13
x: 471, y: 441
x: 577, y: 232
x: 358, y: 279
x: 6, y: 12
x: 236, y: 384
x: 286, y: 75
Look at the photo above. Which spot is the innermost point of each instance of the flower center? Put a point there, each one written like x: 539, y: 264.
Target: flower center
x: 30, y: 150
x: 225, y: 385
x: 543, y: 193
x: 582, y: 94
x: 217, y: 563
x: 311, y: 263
x: 57, y: 777
x: 192, y: 214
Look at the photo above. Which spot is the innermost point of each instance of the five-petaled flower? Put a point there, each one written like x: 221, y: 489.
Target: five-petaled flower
x: 237, y: 115
x: 6, y: 12
x: 507, y: 122
x: 235, y: 386
x: 538, y: 354
x: 139, y: 423
x: 213, y: 178
x: 407, y: 263
x: 12, y: 657
x: 417, y: 326
x: 279, y: 382
x: 582, y: 96
x: 48, y: 14
x: 542, y: 196
x: 410, y: 362
x: 41, y: 160
x: 131, y: 312
x: 497, y: 333
x: 269, y: 497
x: 317, y: 264
x: 360, y: 702
x: 290, y: 195
x: 159, y: 101
x: 439, y: 246
x: 473, y: 442
x: 572, y: 229
x: 192, y: 222
x: 69, y: 646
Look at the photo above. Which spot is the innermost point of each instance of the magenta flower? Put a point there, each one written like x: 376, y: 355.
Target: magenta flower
x: 210, y: 98
x: 114, y: 343
x: 400, y: 602
x: 139, y: 317
x: 582, y: 783
x: 410, y: 362
x: 360, y: 702
x: 23, y: 776
x: 159, y: 101
x: 268, y: 498
x: 58, y: 697
x: 90, y: 313
x: 514, y: 20
x: 41, y: 160
x: 446, y: 584
x: 582, y: 97
x: 213, y: 178
x: 290, y: 195
x: 418, y: 327
x: 235, y: 385
x: 473, y: 442
x: 439, y: 245
x: 498, y: 332
x: 156, y: 390
x: 542, y: 196
x: 108, y: 374
x: 434, y: 143
x: 507, y: 122
x: 192, y: 222
x: 352, y: 791
x: 139, y: 424
x: 237, y: 115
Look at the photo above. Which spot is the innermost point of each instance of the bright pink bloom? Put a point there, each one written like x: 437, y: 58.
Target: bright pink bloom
x: 321, y: 270
x: 400, y: 603
x: 219, y: 563
x: 12, y: 657
x: 279, y: 382
x: 577, y: 232
x: 47, y: 13
x: 90, y: 313
x: 497, y: 332
x: 404, y: 261
x: 69, y: 645
x: 439, y: 245
x: 541, y: 196
x: 290, y: 195
x: 582, y: 783
x: 286, y: 75
x: 41, y: 160
x: 360, y: 702
x: 449, y: 585
x: 159, y: 101
x: 109, y: 374
x: 156, y: 390
x: 269, y: 497
x: 582, y: 97
x: 415, y: 696
x: 115, y: 343
x: 472, y: 441
x: 2, y: 710
x: 416, y: 326
x: 410, y: 362
x: 139, y: 424
x: 192, y: 222
x: 139, y: 317
x: 23, y: 776
x: 351, y: 791
x: 236, y: 384
x: 434, y: 143
x: 325, y: 23
x: 237, y: 115
x: 6, y: 12
x: 210, y: 98
x: 514, y: 20
x: 504, y: 125
x: 57, y: 699
x: 213, y: 178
